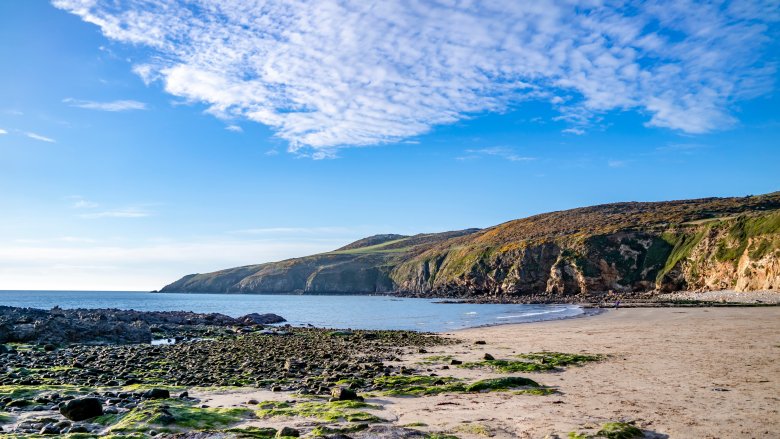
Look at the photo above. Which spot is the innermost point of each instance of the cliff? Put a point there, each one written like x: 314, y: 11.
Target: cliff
x: 704, y: 244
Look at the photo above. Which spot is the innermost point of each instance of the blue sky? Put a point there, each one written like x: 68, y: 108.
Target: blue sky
x: 137, y: 146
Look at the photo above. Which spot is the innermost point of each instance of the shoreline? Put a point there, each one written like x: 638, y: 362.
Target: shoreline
x: 670, y: 372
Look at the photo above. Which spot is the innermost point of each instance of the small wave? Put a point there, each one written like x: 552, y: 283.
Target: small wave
x: 531, y: 314
x: 472, y: 313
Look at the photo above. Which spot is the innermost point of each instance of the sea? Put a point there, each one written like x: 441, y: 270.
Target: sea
x: 329, y: 311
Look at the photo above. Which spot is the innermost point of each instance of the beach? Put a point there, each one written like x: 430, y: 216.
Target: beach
x: 681, y: 372
x: 698, y: 372
x: 673, y: 372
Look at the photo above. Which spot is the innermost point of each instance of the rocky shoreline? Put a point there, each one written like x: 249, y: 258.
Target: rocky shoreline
x: 113, y: 326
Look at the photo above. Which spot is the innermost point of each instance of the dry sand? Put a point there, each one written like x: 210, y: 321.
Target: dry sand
x: 676, y: 372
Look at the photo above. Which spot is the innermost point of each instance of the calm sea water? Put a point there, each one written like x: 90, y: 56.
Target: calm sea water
x: 356, y: 312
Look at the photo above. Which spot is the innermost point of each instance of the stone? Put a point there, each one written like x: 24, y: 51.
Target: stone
x: 261, y: 319
x: 80, y: 409
x: 288, y: 431
x: 49, y: 429
x: 488, y: 357
x: 455, y: 362
x: 157, y: 393
x: 344, y: 394
x: 480, y: 342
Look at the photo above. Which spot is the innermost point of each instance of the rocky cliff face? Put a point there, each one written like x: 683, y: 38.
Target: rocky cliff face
x: 715, y: 243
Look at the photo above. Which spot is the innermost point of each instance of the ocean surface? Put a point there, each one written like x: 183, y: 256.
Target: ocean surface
x: 355, y: 312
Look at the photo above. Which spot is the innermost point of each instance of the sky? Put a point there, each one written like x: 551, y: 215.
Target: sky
x: 142, y: 141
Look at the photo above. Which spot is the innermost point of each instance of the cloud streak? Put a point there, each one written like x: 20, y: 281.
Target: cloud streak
x: 113, y: 106
x: 330, y: 74
x: 39, y: 137
x: 118, y: 213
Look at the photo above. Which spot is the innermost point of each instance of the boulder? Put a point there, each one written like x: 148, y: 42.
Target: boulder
x: 343, y: 394
x: 261, y: 319
x: 157, y: 394
x: 288, y: 432
x: 80, y: 409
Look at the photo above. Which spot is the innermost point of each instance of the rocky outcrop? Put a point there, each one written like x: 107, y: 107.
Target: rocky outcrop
x: 114, y: 326
x: 706, y: 244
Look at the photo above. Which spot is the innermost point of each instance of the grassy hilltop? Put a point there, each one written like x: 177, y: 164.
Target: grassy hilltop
x: 710, y: 243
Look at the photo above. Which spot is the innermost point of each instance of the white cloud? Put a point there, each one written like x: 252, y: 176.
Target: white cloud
x: 122, y: 105
x: 130, y: 212
x: 496, y: 151
x: 617, y: 163
x: 333, y: 73
x: 79, y: 202
x: 2, y: 131
x: 574, y: 130
x: 234, y: 128
x: 35, y: 136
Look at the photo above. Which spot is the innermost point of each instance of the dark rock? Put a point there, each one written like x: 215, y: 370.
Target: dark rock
x: 488, y: 357
x: 81, y: 408
x: 343, y: 394
x: 184, y: 395
x: 157, y: 394
x: 49, y: 347
x: 49, y: 429
x: 261, y: 319
x: 455, y: 362
x: 480, y: 342
x: 288, y: 431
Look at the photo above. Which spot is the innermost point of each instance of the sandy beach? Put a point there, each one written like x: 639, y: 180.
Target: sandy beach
x: 676, y: 372
x: 673, y: 372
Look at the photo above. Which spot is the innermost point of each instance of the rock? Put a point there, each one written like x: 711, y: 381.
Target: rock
x: 261, y: 319
x: 156, y: 393
x: 480, y: 342
x: 49, y: 347
x: 288, y: 431
x: 344, y: 394
x: 488, y: 357
x: 3, y: 349
x: 49, y: 429
x: 455, y: 362
x: 184, y: 395
x: 81, y: 408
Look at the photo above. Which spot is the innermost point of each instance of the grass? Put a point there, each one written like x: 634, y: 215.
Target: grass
x: 333, y: 411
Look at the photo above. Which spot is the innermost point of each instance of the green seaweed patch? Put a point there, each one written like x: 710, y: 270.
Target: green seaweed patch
x: 537, y: 391
x: 612, y: 430
x: 475, y: 429
x: 252, y: 432
x: 619, y: 430
x: 440, y: 436
x: 508, y: 366
x: 332, y: 411
x: 418, y: 385
x: 322, y: 430
x: 560, y: 359
x: 29, y: 391
x: 501, y: 384
x: 4, y: 418
x: 172, y: 415
x: 436, y: 359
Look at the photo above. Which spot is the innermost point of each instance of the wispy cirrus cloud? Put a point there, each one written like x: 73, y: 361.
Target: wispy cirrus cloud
x: 333, y: 73
x: 496, y: 151
x: 2, y: 131
x: 129, y: 212
x: 79, y: 202
x: 39, y: 137
x: 113, y: 106
x: 234, y: 128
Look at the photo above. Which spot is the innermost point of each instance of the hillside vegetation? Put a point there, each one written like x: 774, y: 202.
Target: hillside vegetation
x: 711, y: 243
